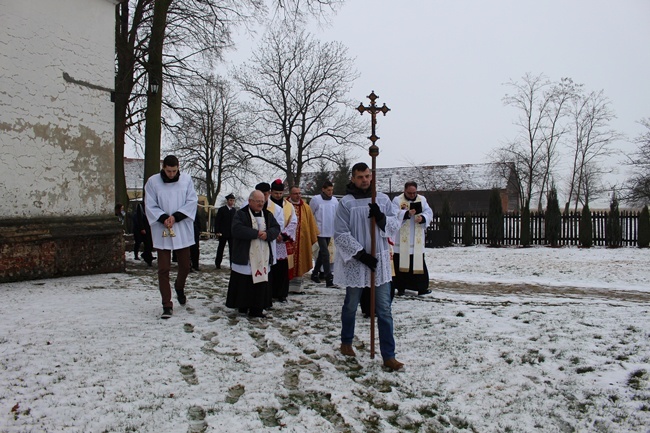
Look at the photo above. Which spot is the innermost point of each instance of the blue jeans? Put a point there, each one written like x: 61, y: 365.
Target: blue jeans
x: 382, y: 312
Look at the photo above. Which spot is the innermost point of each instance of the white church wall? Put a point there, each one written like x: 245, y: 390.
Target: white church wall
x: 56, y: 117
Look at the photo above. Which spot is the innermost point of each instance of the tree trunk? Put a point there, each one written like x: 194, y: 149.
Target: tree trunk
x: 153, y: 128
x: 121, y: 99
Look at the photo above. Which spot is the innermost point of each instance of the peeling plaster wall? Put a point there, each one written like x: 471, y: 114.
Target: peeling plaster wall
x: 56, y: 117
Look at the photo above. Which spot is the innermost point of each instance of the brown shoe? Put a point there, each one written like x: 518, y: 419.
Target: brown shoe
x: 347, y: 350
x: 393, y: 364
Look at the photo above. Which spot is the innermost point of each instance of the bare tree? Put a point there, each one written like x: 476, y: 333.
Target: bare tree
x: 637, y: 187
x: 298, y: 111
x: 172, y: 42
x: 560, y: 96
x: 542, y: 106
x: 591, y: 114
x: 207, y: 137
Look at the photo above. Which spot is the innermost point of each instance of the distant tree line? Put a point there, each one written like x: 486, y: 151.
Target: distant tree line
x: 562, y: 124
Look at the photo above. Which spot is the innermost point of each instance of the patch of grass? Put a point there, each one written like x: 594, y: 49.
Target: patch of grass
x: 506, y: 357
x: 583, y: 370
x: 459, y: 422
x: 428, y: 411
x: 532, y: 357
x: 637, y: 379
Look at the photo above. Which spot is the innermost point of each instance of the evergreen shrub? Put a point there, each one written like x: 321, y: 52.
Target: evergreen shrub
x: 445, y: 221
x: 644, y: 228
x: 586, y: 231
x: 468, y: 235
x: 495, y: 220
x: 525, y: 225
x: 613, y: 232
x: 553, y: 219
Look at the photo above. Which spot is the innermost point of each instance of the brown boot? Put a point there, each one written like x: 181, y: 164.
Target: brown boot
x: 393, y: 364
x: 347, y: 350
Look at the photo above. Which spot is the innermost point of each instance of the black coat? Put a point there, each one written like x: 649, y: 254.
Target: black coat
x: 223, y: 221
x: 139, y: 223
x: 243, y: 232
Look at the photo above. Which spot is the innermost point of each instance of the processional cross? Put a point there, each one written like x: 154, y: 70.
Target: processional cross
x: 374, y: 152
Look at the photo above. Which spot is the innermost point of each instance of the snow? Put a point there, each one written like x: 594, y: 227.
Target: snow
x: 511, y: 340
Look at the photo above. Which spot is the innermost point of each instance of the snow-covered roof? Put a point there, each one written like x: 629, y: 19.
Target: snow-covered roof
x: 463, y: 177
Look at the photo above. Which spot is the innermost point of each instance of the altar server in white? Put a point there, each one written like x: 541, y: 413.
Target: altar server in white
x: 170, y: 204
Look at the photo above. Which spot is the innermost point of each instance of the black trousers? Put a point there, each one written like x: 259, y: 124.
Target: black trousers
x: 220, y: 248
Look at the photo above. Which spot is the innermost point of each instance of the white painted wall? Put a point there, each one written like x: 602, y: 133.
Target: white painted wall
x: 56, y: 137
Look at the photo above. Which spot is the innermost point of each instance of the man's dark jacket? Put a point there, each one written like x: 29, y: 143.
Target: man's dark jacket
x: 243, y: 232
x: 223, y: 221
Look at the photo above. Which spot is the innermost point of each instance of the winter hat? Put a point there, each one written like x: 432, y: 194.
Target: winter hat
x: 277, y: 185
x: 263, y: 186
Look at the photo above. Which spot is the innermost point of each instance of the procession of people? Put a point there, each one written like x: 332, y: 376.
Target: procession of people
x: 274, y: 239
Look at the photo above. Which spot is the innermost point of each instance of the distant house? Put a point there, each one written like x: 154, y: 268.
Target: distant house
x: 466, y: 186
x: 134, y: 174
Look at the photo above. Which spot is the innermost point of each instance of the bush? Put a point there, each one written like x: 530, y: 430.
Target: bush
x: 644, y: 228
x: 613, y: 232
x: 553, y: 219
x: 445, y: 221
x: 495, y: 220
x: 468, y: 235
x: 586, y: 230
x: 525, y: 224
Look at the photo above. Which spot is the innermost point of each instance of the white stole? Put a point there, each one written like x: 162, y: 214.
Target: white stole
x: 258, y: 254
x: 405, y: 241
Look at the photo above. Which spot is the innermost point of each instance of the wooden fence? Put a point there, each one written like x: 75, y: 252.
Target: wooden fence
x: 512, y: 228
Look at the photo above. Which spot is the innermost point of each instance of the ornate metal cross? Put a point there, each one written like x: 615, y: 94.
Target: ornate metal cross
x: 373, y: 110
x: 374, y: 152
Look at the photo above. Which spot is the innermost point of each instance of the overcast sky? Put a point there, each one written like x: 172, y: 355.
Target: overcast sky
x: 440, y: 66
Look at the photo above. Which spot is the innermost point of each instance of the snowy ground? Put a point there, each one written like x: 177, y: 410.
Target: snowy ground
x: 512, y: 340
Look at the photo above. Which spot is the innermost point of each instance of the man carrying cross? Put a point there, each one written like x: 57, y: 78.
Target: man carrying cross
x: 354, y: 265
x: 410, y: 267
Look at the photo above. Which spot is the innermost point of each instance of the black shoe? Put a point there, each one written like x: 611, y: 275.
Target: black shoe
x: 424, y: 292
x: 329, y: 282
x: 256, y: 312
x: 180, y: 294
x: 218, y: 266
x: 259, y: 315
x: 282, y: 299
x: 314, y: 278
x: 321, y: 275
x: 167, y: 313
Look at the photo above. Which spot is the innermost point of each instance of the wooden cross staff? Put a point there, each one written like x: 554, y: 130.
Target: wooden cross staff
x: 373, y: 151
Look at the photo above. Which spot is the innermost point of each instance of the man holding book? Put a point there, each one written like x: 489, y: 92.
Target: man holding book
x: 410, y: 267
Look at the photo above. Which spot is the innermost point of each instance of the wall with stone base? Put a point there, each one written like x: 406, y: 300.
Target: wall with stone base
x: 56, y: 247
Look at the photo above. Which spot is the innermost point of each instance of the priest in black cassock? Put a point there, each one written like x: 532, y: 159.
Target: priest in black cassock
x: 253, y: 230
